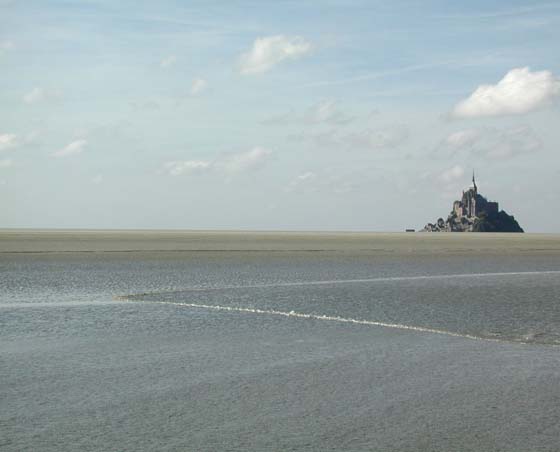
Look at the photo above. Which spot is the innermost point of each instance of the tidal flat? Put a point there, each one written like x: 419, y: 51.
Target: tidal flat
x: 212, y: 340
x: 28, y: 241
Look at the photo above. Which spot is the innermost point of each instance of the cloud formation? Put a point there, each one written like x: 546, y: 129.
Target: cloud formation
x: 333, y: 180
x: 198, y: 86
x: 7, y: 141
x: 519, y: 92
x: 378, y: 139
x: 452, y: 174
x: 178, y: 168
x: 324, y: 112
x: 168, y: 61
x: 239, y: 162
x: 11, y: 141
x: 245, y: 161
x: 6, y: 46
x: 492, y: 143
x: 269, y: 51
x: 371, y: 139
x: 6, y: 163
x: 39, y: 94
x: 302, y: 181
x: 73, y: 148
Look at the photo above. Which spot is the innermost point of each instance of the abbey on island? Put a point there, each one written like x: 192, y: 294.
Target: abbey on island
x: 474, y: 213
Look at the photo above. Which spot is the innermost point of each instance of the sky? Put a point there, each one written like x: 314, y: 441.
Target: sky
x: 276, y: 115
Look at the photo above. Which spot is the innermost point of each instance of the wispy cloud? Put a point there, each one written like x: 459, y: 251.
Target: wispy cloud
x: 73, y: 148
x: 198, y: 86
x: 232, y: 163
x: 517, y: 11
x: 7, y: 141
x: 324, y: 112
x: 168, y: 61
x: 519, y: 92
x: 452, y: 174
x: 39, y: 94
x: 269, y: 51
x: 379, y: 139
x: 451, y: 61
x: 302, y: 182
x: 180, y: 167
x: 338, y: 180
x: 381, y: 74
x: 490, y: 142
x: 11, y: 141
x: 6, y: 46
x: 244, y: 161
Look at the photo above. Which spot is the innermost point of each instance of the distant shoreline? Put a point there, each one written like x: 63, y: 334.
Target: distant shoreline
x: 25, y: 241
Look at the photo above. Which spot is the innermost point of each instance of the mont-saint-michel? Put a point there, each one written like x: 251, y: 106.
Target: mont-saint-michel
x: 474, y: 213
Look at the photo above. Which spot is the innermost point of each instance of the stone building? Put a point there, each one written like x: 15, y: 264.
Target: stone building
x: 474, y: 213
x: 472, y: 203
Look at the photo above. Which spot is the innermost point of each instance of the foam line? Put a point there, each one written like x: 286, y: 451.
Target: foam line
x: 344, y: 281
x: 302, y: 315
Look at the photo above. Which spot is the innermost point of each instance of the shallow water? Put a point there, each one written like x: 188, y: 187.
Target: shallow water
x: 280, y: 365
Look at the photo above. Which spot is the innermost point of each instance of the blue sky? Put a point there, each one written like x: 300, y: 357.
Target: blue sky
x: 327, y: 115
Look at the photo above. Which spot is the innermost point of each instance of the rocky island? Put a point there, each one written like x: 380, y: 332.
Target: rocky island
x: 474, y: 213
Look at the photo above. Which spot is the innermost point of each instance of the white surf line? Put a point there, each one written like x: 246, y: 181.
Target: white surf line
x: 343, y: 281
x: 302, y: 315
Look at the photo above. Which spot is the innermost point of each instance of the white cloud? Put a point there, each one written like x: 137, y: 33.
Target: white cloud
x: 198, y: 86
x: 227, y: 163
x: 73, y: 148
x: 39, y: 94
x: 302, y: 181
x: 267, y: 52
x: 7, y: 141
x: 34, y: 96
x: 6, y: 163
x: 513, y: 142
x: 462, y: 138
x: 491, y: 142
x: 452, y: 174
x: 168, y: 61
x: 338, y: 180
x: 519, y: 92
x: 245, y: 161
x: 6, y: 46
x: 326, y: 111
x: 11, y: 141
x: 177, y: 168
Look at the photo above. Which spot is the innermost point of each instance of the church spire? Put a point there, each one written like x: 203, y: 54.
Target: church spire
x: 473, y: 181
